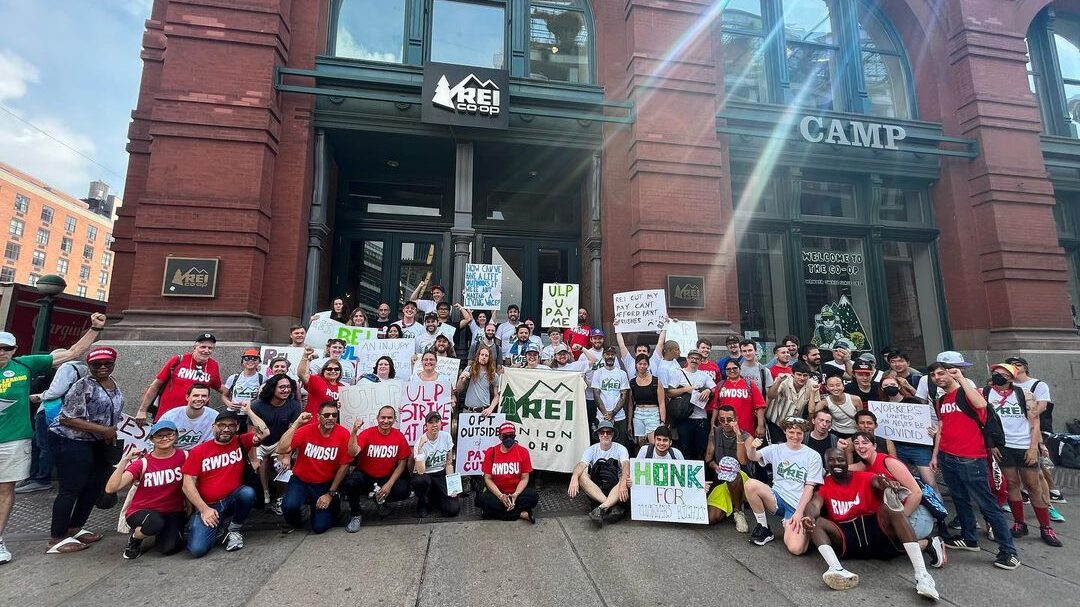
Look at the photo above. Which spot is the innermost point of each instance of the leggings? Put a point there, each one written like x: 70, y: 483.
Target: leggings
x: 164, y: 527
x: 491, y: 507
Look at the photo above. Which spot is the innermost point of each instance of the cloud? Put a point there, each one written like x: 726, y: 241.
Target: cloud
x: 138, y: 8
x: 348, y: 47
x: 15, y: 75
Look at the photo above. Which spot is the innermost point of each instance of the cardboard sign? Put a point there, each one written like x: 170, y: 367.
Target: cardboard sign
x: 399, y: 350
x: 902, y: 421
x: 684, y: 332
x: 363, y: 401
x: 483, y: 286
x: 559, y: 305
x: 421, y: 398
x: 269, y: 353
x: 132, y: 435
x: 548, y: 408
x: 445, y: 365
x: 640, y: 311
x: 668, y: 491
x: 476, y: 434
x: 453, y: 484
x: 323, y: 329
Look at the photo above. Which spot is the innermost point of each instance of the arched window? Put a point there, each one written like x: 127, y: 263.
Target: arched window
x: 1054, y: 70
x: 373, y: 30
x: 559, y: 41
x: 819, y: 61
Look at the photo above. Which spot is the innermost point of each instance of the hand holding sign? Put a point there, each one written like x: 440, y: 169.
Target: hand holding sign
x: 639, y: 311
x: 559, y: 305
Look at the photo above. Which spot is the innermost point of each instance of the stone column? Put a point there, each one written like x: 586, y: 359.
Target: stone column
x: 318, y: 231
x: 462, y: 233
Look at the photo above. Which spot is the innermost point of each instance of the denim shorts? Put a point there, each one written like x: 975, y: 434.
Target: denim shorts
x: 783, y: 509
x: 916, y: 455
x: 922, y: 522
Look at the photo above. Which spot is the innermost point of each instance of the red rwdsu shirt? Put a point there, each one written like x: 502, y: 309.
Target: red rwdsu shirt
x: 161, y: 483
x: 218, y: 469
x: 960, y: 435
x: 319, y: 391
x: 578, y: 335
x: 179, y: 373
x: 379, y: 453
x: 848, y: 502
x: 506, y: 468
x: 777, y: 370
x: 745, y: 397
x: 318, y: 457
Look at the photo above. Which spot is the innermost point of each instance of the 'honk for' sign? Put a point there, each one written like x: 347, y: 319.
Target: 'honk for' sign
x: 669, y: 491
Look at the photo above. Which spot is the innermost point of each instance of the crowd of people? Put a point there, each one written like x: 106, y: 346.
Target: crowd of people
x: 792, y: 437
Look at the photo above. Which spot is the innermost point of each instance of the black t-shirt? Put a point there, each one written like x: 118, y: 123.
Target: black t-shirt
x: 853, y: 389
x: 277, y: 419
x: 819, y: 445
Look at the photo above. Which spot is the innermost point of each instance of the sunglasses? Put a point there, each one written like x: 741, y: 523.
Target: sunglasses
x: 730, y: 369
x: 7, y: 348
x: 330, y: 415
x: 606, y: 432
x: 332, y: 370
x: 101, y: 364
x: 249, y: 358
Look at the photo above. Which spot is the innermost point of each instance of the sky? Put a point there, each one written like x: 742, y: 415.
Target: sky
x: 70, y: 68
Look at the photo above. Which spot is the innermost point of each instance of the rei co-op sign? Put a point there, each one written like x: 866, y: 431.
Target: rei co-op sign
x: 461, y: 95
x: 817, y: 129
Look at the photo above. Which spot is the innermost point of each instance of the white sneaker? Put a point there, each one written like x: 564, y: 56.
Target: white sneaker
x: 925, y: 586
x: 840, y: 579
x: 233, y: 541
x: 5, y: 554
x: 740, y: 522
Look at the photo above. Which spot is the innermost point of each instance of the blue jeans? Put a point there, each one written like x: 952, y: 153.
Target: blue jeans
x: 200, y: 538
x: 41, y: 462
x: 298, y: 493
x: 968, y: 479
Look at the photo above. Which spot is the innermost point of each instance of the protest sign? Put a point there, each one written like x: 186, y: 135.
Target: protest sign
x: 453, y: 484
x: 559, y: 305
x: 668, y: 491
x: 445, y: 365
x: 548, y: 408
x: 269, y: 353
x: 476, y: 433
x: 684, y: 332
x: 902, y: 421
x: 399, y: 350
x: 323, y: 329
x: 130, y: 432
x: 421, y: 398
x: 483, y: 286
x: 639, y: 311
x: 363, y: 401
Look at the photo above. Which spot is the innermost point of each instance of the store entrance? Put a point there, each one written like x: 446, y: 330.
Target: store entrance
x: 527, y: 264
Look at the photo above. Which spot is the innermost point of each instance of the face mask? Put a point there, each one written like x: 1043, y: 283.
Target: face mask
x: 891, y: 390
x: 998, y: 379
x: 508, y: 441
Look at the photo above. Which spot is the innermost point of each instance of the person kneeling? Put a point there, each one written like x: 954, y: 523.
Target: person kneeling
x: 506, y: 467
x: 603, y: 474
x: 434, y: 460
x: 862, y: 515
x: 322, y: 460
x: 381, y: 454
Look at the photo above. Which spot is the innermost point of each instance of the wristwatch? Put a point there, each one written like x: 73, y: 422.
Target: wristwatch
x: 332, y: 494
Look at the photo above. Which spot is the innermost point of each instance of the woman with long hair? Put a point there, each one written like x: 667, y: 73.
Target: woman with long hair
x: 357, y: 318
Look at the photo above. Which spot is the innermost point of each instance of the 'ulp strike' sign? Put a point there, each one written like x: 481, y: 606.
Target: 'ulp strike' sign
x: 668, y: 491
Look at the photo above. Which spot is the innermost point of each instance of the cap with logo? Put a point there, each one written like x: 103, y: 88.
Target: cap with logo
x: 251, y: 352
x: 7, y: 339
x: 101, y: 353
x: 532, y: 347
x: 596, y: 332
x: 507, y: 428
x: 434, y: 416
x: 952, y: 359
x: 862, y: 366
x: 206, y: 337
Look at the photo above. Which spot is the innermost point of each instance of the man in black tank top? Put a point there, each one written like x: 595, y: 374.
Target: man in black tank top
x: 725, y: 456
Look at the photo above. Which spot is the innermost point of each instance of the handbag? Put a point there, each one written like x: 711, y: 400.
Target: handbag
x: 679, y: 407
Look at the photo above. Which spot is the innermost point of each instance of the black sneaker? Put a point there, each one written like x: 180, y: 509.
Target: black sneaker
x: 598, y: 514
x: 955, y: 523
x: 958, y: 543
x: 1019, y: 529
x: 1006, y: 560
x: 761, y: 535
x: 1057, y: 498
x: 134, y: 548
x: 1024, y: 496
x: 1047, y: 534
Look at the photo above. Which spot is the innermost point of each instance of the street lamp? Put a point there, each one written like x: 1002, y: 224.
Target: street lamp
x: 49, y: 286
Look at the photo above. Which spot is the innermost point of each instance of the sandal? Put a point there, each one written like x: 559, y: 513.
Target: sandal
x: 87, y: 537
x: 66, y: 546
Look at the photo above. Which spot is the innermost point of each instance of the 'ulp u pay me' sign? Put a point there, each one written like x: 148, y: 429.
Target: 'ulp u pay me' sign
x: 668, y: 491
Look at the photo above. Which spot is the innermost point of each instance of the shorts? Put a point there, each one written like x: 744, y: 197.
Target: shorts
x: 265, y: 451
x: 783, y: 509
x: 922, y: 521
x: 863, y: 538
x: 720, y: 496
x: 646, y: 420
x: 916, y: 455
x: 15, y: 460
x: 1014, y: 458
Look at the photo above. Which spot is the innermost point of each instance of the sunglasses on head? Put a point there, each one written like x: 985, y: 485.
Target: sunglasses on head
x: 795, y: 420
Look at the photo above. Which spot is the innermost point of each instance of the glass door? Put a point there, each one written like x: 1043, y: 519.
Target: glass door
x: 528, y: 264
x: 387, y: 267
x: 837, y: 302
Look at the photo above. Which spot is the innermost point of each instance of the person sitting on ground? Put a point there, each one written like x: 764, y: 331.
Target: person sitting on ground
x: 278, y: 407
x: 725, y: 456
x: 434, y: 459
x: 661, y: 446
x: 602, y: 475
x: 507, y: 466
x: 322, y: 461
x: 157, y: 506
x: 859, y: 514
x: 381, y: 454
x: 195, y: 422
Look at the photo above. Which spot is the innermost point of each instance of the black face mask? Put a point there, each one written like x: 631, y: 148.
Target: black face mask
x: 891, y: 390
x: 998, y: 379
x: 508, y: 441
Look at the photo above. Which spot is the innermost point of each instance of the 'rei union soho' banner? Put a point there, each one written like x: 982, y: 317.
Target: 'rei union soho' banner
x: 548, y: 407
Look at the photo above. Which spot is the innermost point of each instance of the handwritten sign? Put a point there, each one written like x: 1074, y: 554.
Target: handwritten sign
x: 132, y: 435
x: 363, y: 401
x: 668, y: 491
x: 904, y: 422
x: 476, y: 433
x: 269, y: 353
x: 324, y: 329
x: 399, y: 350
x: 483, y: 286
x: 559, y: 305
x: 445, y: 365
x: 639, y: 311
x: 684, y: 332
x: 421, y: 398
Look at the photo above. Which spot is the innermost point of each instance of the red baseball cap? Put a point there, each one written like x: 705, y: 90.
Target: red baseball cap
x: 507, y: 428
x: 101, y: 353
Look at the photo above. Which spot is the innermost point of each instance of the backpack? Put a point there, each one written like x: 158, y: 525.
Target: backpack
x: 53, y: 405
x: 1064, y: 449
x: 236, y: 378
x: 1046, y: 418
x: 153, y: 408
x: 1017, y: 390
x: 605, y: 473
x: 678, y: 408
x: 992, y: 432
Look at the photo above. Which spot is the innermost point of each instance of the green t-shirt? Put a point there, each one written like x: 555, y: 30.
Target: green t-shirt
x: 15, y: 395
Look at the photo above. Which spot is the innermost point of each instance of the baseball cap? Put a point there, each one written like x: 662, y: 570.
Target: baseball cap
x: 431, y: 316
x: 225, y: 414
x: 532, y: 348
x: 1016, y: 360
x: 868, y: 356
x: 507, y: 428
x: 597, y: 332
x: 862, y: 366
x: 843, y: 343
x: 694, y: 353
x: 6, y: 339
x: 433, y: 417
x: 439, y: 287
x: 161, y: 425
x: 952, y: 359
x: 605, y: 425
x: 251, y: 352
x: 1006, y: 366
x: 206, y: 337
x: 101, y: 353
x: 732, y: 339
x: 561, y: 348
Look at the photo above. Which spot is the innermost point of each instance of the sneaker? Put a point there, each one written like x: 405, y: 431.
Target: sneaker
x: 990, y: 533
x: 1047, y: 534
x: 233, y: 541
x: 275, y: 506
x: 840, y: 579
x: 1019, y: 529
x: 597, y: 515
x: 1057, y: 498
x: 936, y: 551
x: 959, y: 543
x: 1006, y: 560
x: 892, y: 500
x: 354, y: 524
x: 1024, y: 496
x: 5, y: 554
x: 740, y: 522
x: 616, y: 514
x: 134, y: 548
x: 925, y: 587
x: 1055, y: 515
x: 32, y: 487
x: 761, y: 535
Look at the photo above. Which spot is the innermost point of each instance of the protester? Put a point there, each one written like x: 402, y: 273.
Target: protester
x: 477, y: 383
x: 751, y: 369
x: 425, y: 338
x: 514, y: 353
x: 322, y: 460
x: 603, y: 475
x: 856, y: 513
x: 489, y: 341
x: 178, y: 374
x: 866, y: 421
x: 843, y: 407
x: 648, y: 402
x: 383, y: 371
x: 444, y: 349
x: 506, y: 331
x: 532, y: 358
x: 913, y: 454
x: 791, y: 395
x: 41, y: 460
x: 704, y: 347
x: 727, y: 440
x: 277, y: 405
x: 841, y: 359
x: 297, y: 335
x: 381, y: 454
x: 595, y: 355
x: 322, y: 385
x: 156, y: 507
x: 357, y: 318
x: 429, y: 368
x: 382, y: 319
x: 660, y: 447
x: 194, y: 422
x: 734, y: 352
x: 547, y: 353
x: 927, y: 390
x: 781, y: 357
x: 395, y: 332
x: 338, y: 311
x: 810, y: 355
x: 611, y: 392
x: 434, y: 460
x: 427, y: 305
x: 744, y: 397
x: 408, y: 324
x: 80, y: 440
x: 507, y: 466
x: 562, y: 362
x: 864, y: 386
x: 694, y: 430
x: 1041, y: 391
x: 579, y: 335
x: 241, y: 388
x: 907, y: 377
x: 820, y: 438
x: 335, y: 349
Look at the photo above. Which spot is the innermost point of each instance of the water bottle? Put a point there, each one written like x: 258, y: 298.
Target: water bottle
x: 378, y: 497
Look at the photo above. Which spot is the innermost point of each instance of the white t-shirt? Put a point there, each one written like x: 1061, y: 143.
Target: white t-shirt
x: 580, y: 365
x: 593, y: 453
x: 611, y: 383
x: 672, y: 453
x: 792, y: 469
x: 191, y: 432
x: 244, y: 388
x: 669, y: 373
x: 599, y: 354
x: 923, y: 390
x: 1016, y: 426
x: 348, y: 369
x: 698, y: 379
x: 435, y: 453
x: 1041, y: 392
x: 425, y: 339
x: 411, y: 331
x: 548, y: 352
x: 506, y: 331
x: 841, y: 366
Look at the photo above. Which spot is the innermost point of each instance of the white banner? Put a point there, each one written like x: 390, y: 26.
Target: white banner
x: 483, y: 286
x: 399, y: 350
x: 445, y: 365
x: 323, y: 329
x: 421, y: 398
x: 548, y: 407
x: 363, y: 401
x: 684, y: 332
x: 476, y: 433
x: 559, y: 305
x: 640, y: 311
x: 132, y: 435
x: 269, y: 353
x: 668, y: 491
x: 904, y: 422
